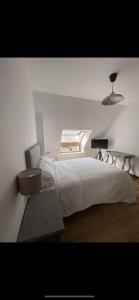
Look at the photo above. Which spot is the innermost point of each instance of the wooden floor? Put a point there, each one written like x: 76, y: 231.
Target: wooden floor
x: 117, y: 222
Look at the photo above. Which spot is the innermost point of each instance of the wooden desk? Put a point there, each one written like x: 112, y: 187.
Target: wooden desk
x: 116, y: 155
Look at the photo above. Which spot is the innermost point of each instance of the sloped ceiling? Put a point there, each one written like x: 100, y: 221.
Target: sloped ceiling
x: 63, y: 87
x: 63, y: 112
x: 86, y: 78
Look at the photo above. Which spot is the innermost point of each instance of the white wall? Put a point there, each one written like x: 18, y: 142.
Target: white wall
x: 40, y: 131
x: 17, y: 132
x: 62, y: 112
x: 124, y: 133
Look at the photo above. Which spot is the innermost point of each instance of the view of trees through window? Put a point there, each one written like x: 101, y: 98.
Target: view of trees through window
x: 71, y: 140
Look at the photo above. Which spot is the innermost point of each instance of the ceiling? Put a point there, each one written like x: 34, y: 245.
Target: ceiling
x: 86, y: 78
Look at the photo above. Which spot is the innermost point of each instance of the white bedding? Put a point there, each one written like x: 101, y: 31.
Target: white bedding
x: 83, y: 182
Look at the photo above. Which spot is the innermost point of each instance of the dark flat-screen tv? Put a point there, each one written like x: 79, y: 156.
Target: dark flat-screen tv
x: 99, y: 143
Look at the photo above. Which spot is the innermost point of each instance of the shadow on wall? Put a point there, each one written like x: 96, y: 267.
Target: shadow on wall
x: 11, y: 193
x: 11, y: 203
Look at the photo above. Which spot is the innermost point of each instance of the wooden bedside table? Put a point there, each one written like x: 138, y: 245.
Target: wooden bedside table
x: 42, y: 220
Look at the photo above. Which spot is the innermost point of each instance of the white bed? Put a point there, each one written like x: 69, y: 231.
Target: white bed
x: 83, y: 182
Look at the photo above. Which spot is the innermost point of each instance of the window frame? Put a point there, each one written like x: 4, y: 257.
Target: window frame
x: 77, y: 143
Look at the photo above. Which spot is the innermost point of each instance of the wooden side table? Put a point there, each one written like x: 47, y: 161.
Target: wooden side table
x: 42, y: 220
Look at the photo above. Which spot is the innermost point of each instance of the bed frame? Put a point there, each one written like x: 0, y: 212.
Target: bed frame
x: 32, y: 156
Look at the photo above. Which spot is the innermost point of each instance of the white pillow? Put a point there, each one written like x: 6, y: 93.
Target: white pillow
x: 48, y: 180
x: 48, y: 160
x: 47, y: 167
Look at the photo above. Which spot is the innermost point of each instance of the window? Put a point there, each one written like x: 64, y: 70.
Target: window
x: 71, y: 140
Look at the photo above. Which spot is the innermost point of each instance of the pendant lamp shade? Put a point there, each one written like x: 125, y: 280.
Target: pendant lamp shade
x: 113, y: 98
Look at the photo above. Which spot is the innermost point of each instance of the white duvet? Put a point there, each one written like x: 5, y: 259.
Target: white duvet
x: 83, y: 182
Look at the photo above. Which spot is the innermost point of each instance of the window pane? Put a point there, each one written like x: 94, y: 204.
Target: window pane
x: 71, y: 140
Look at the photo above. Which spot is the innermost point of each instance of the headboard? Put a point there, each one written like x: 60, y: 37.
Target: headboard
x: 32, y: 156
